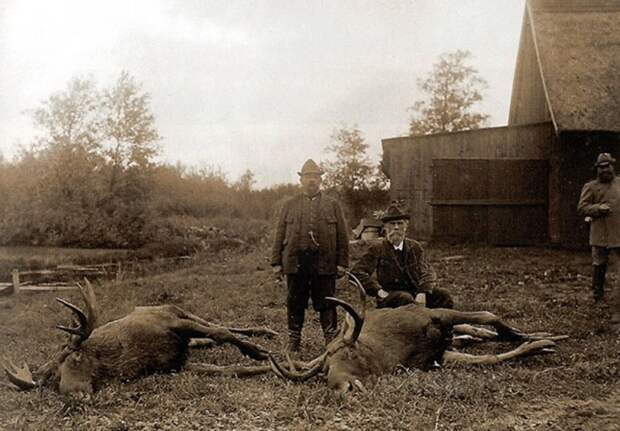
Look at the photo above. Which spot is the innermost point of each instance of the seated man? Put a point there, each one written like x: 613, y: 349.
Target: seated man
x: 403, y: 273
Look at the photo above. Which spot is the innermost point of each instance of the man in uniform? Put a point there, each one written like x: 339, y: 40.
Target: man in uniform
x: 311, y: 248
x: 403, y: 273
x: 600, y: 203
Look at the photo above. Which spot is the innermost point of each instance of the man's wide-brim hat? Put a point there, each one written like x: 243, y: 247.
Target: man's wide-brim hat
x: 604, y: 159
x: 394, y: 213
x: 310, y: 167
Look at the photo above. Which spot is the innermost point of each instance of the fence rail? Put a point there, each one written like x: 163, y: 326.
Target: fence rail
x: 66, y: 276
x: 30, y: 280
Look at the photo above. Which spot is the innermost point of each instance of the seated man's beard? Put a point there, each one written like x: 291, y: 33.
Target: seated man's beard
x: 395, y: 237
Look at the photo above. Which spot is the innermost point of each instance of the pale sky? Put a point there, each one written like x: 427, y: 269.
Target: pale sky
x: 255, y: 85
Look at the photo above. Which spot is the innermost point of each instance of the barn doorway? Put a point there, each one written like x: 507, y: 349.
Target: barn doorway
x: 495, y: 201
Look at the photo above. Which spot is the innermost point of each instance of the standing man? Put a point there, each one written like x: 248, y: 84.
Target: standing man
x: 311, y: 248
x: 403, y: 273
x: 600, y: 202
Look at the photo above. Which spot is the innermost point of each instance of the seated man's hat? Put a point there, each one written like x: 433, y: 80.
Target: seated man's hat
x: 604, y: 159
x: 393, y: 213
x: 310, y: 167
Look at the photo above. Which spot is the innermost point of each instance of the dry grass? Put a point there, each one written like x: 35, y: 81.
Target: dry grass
x: 534, y: 289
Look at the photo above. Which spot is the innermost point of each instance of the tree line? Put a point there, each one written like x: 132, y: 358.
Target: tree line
x: 91, y: 179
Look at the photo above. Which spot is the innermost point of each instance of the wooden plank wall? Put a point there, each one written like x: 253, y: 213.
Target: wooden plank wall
x: 498, y: 201
x: 410, y: 161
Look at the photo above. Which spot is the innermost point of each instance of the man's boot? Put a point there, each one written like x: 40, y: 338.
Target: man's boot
x: 329, y: 324
x: 295, y: 325
x: 598, y: 281
x: 294, y: 341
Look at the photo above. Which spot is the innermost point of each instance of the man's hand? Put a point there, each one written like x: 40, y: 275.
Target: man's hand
x: 420, y: 299
x: 604, y: 208
x: 341, y: 271
x: 382, y: 294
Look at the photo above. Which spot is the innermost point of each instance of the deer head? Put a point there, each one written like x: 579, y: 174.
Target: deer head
x: 73, y: 367
x: 345, y: 361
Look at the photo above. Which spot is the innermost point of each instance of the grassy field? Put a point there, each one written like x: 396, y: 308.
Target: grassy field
x: 534, y: 289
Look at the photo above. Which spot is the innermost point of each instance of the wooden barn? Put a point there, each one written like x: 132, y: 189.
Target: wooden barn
x: 520, y: 184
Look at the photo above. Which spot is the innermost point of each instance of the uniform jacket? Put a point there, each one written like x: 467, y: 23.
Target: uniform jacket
x: 604, y: 229
x: 415, y: 276
x: 332, y: 236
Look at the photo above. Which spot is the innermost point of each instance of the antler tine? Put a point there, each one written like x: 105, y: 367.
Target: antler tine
x: 359, y: 321
x: 282, y: 372
x: 88, y: 294
x: 83, y: 321
x: 86, y: 321
x: 357, y: 283
x: 20, y: 377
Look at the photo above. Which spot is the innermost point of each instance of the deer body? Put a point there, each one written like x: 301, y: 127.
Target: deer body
x: 147, y: 340
x: 410, y: 336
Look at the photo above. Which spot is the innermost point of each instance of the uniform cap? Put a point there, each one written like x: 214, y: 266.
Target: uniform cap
x: 604, y: 159
x: 310, y: 167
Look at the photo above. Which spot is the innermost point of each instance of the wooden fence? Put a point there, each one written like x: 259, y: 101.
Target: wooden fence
x: 66, y: 277
x: 63, y: 277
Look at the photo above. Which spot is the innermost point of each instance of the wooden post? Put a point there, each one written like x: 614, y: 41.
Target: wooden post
x: 119, y: 272
x: 15, y: 276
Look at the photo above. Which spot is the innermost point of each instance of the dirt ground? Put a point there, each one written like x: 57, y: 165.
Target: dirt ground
x: 534, y: 289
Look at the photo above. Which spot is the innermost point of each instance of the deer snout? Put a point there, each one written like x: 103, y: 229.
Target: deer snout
x: 76, y: 375
x: 342, y: 382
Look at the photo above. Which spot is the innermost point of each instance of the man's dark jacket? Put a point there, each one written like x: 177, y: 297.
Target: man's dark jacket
x: 332, y: 236
x: 414, y: 275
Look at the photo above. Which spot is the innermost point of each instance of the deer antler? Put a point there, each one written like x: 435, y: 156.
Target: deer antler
x: 295, y: 376
x: 86, y: 321
x: 359, y: 321
x: 358, y: 284
x: 20, y: 377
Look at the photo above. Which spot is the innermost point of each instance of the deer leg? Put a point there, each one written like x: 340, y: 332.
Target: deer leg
x: 201, y: 343
x: 454, y: 318
x: 229, y: 371
x: 191, y: 329
x: 529, y: 348
x: 503, y: 331
x: 251, y: 331
x: 478, y: 334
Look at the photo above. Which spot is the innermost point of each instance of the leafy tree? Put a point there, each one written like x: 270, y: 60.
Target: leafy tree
x: 246, y: 181
x: 128, y: 127
x: 351, y: 170
x: 70, y: 119
x: 93, y: 157
x: 452, y: 89
x: 352, y: 174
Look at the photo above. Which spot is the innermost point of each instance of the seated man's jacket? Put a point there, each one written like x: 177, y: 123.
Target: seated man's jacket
x: 411, y: 273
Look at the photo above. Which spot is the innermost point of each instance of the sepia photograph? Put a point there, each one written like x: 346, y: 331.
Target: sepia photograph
x: 310, y: 215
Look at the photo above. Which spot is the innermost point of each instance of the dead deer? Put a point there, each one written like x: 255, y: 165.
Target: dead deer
x: 381, y: 340
x: 147, y: 340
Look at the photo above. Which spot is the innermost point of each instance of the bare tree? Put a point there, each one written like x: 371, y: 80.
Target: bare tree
x: 452, y: 90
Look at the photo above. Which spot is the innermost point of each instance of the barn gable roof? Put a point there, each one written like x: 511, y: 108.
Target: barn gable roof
x: 577, y: 47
